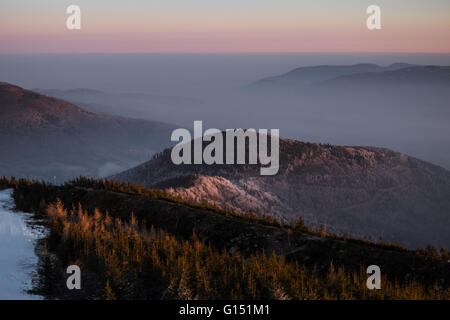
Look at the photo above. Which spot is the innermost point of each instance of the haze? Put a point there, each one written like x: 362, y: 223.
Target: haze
x: 181, y: 88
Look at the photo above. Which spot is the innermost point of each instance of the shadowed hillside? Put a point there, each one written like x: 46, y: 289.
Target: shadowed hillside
x: 43, y: 137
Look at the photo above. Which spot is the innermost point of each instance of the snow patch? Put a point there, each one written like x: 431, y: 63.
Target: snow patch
x: 17, y: 258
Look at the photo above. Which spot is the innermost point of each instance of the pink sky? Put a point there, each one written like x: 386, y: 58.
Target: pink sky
x: 224, y: 26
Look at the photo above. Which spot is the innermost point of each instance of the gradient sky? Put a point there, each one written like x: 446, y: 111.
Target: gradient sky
x: 38, y: 26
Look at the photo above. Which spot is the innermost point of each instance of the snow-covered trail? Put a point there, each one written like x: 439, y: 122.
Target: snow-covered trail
x: 17, y: 258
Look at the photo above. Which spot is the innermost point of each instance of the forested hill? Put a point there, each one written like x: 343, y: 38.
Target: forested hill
x: 358, y: 190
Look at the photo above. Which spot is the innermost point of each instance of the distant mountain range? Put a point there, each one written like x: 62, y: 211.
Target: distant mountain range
x: 132, y: 104
x: 401, y: 106
x: 416, y: 75
x: 42, y: 137
x: 358, y: 74
x: 355, y: 190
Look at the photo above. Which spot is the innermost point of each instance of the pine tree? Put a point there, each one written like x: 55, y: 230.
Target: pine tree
x: 108, y: 292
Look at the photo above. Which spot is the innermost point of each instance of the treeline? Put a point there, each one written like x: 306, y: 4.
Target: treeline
x: 30, y: 194
x: 6, y: 183
x: 125, y: 260
x: 33, y: 196
x: 152, y: 193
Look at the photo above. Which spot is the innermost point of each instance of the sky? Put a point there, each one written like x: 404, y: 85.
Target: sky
x: 141, y: 26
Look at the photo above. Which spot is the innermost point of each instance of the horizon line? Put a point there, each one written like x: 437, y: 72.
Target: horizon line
x: 222, y: 52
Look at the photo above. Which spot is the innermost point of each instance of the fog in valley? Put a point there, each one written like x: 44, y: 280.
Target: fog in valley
x: 177, y: 89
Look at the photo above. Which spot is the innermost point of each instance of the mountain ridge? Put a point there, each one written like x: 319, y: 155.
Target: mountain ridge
x: 356, y: 74
x: 380, y: 192
x: 427, y: 75
x: 42, y: 137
